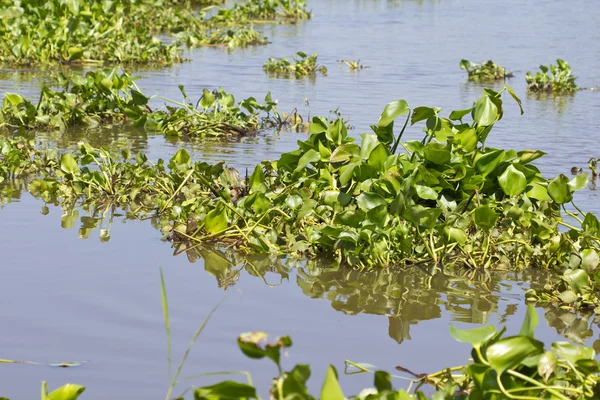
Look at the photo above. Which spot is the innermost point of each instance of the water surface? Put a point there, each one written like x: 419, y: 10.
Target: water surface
x: 69, y: 299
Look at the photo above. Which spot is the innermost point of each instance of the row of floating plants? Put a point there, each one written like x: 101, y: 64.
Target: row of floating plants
x: 95, y: 32
x: 550, y: 79
x: 446, y: 199
x: 111, y: 96
x: 502, y: 366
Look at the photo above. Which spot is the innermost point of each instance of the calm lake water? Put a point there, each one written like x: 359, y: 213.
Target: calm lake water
x: 64, y: 298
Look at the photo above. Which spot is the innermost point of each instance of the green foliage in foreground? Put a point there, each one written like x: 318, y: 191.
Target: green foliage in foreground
x: 559, y: 80
x: 82, y: 31
x: 502, y: 367
x: 484, y: 72
x: 107, y: 96
x: 446, y: 199
x: 302, y: 65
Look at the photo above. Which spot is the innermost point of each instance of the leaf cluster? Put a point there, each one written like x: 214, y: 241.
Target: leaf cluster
x: 553, y: 79
x: 107, y: 96
x: 484, y: 72
x: 301, y: 65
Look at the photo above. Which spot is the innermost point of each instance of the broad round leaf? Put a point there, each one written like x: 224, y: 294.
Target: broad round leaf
x: 68, y: 164
x: 367, y: 200
x: 485, y: 217
x: 508, y: 353
x: 512, y: 181
x: 475, y: 337
x: 559, y: 189
x: 392, y: 111
x: 573, y: 353
x: 485, y: 111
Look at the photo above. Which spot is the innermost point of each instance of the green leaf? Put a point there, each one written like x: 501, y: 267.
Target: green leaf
x: 68, y: 164
x: 530, y: 322
x: 512, y: 181
x: 437, y: 153
x: 392, y: 111
x: 455, y: 235
x: 485, y: 217
x: 457, y: 115
x: 181, y: 158
x: 257, y: 180
x: 331, y: 388
x: 578, y: 280
x: 367, y: 200
x: 527, y: 156
x: 589, y: 260
x: 69, y: 391
x: 488, y: 162
x: 310, y: 156
x: 573, y: 353
x: 425, y: 192
x: 508, y: 353
x: 559, y: 189
x: 207, y: 100
x: 216, y: 221
x: 475, y: 337
x: 514, y: 96
x: 485, y: 111
x: 579, y: 182
x: 383, y: 381
x: 422, y: 113
x: 138, y: 98
x: 226, y: 390
x: 344, y: 153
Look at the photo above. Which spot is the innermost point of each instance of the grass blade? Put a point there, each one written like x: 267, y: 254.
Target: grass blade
x: 165, y: 307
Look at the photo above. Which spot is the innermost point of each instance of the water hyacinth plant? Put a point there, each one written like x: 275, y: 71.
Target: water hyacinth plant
x: 559, y: 80
x: 302, y: 65
x: 487, y: 71
x: 112, y: 96
x: 447, y: 199
x: 260, y: 11
x: 125, y: 32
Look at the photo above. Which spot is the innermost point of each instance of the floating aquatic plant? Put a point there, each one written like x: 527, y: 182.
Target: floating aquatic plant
x: 302, y: 65
x: 487, y: 71
x: 97, y: 32
x: 446, y: 199
x: 559, y: 80
x: 110, y: 96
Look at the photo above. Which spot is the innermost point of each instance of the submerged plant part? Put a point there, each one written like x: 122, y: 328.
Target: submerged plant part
x: 353, y: 65
x: 302, y: 65
x: 560, y: 79
x: 487, y: 71
x: 109, y: 96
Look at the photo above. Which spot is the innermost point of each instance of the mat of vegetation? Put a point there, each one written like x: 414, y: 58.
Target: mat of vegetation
x: 484, y: 72
x: 110, y: 96
x: 552, y: 79
x: 501, y: 367
x: 301, y: 65
x: 78, y: 31
x: 448, y: 199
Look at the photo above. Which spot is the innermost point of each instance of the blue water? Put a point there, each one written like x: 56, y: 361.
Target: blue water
x: 67, y: 299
